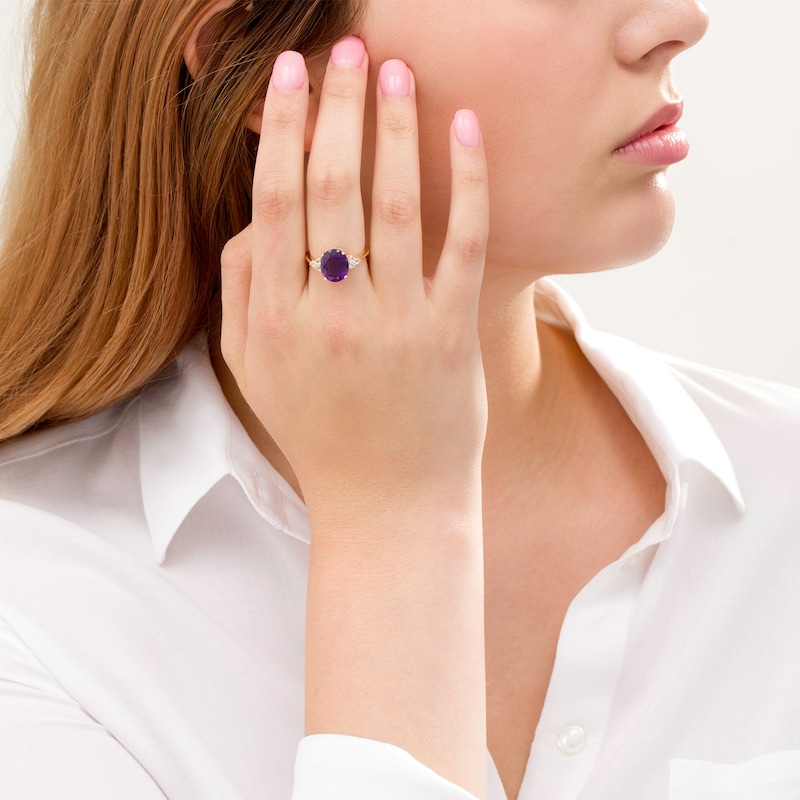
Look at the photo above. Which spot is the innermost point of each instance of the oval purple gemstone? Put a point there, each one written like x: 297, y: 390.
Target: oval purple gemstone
x: 334, y: 265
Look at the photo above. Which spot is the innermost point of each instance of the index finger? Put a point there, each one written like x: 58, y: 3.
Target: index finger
x: 279, y: 269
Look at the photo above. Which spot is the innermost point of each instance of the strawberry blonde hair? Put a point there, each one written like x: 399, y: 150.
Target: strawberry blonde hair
x: 128, y: 178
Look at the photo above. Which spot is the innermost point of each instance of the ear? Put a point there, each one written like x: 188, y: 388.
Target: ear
x: 190, y: 53
x: 316, y: 72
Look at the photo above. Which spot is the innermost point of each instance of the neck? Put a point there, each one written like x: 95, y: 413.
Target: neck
x: 538, y: 383
x: 541, y: 392
x: 561, y: 457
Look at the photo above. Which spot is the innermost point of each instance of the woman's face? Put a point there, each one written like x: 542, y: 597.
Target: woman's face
x: 557, y: 85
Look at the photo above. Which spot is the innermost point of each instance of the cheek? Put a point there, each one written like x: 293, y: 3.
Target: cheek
x: 511, y: 64
x: 537, y: 104
x: 549, y: 109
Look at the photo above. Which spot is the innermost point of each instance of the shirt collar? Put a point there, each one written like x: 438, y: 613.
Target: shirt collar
x: 189, y: 440
x: 673, y: 426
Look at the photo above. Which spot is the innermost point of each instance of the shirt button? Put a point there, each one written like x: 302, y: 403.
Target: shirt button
x: 571, y: 739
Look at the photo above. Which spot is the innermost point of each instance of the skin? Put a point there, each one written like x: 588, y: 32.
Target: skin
x: 556, y: 85
x: 512, y: 447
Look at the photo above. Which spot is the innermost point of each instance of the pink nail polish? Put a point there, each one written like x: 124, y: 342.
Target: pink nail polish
x: 395, y: 79
x: 348, y: 52
x: 468, y: 131
x: 289, y: 71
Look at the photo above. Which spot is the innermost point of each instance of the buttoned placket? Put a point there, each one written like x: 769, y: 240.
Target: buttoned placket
x: 588, y: 664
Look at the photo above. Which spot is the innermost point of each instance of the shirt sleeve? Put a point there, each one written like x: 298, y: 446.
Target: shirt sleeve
x: 338, y: 767
x: 49, y: 746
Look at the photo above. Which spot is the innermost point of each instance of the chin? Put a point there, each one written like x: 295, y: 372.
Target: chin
x: 627, y: 232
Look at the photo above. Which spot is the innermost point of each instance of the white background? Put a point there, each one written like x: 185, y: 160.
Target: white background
x: 726, y: 289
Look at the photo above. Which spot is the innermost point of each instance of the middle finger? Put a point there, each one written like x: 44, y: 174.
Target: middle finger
x: 335, y: 210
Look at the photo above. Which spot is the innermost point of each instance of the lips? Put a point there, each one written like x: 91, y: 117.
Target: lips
x: 668, y: 115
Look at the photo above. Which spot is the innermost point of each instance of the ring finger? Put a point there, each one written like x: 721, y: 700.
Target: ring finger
x: 335, y: 210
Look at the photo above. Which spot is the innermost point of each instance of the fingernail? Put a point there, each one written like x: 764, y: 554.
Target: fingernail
x: 395, y: 79
x: 348, y: 53
x: 289, y: 71
x: 468, y: 131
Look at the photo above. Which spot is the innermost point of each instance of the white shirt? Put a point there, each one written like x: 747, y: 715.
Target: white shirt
x: 153, y: 571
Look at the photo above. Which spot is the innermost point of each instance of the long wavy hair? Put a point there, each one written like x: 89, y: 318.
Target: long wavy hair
x: 129, y: 176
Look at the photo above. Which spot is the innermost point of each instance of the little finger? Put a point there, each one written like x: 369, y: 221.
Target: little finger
x: 459, y: 274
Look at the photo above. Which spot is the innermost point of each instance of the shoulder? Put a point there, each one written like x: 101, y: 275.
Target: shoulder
x: 127, y: 476
x: 724, y: 385
x: 70, y: 501
x: 89, y: 461
x: 51, y: 467
x: 739, y: 403
x: 758, y: 424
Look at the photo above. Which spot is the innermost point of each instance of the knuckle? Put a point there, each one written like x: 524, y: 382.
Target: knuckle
x: 399, y: 126
x: 474, y: 179
x: 235, y: 255
x: 340, y: 336
x: 272, y: 324
x: 454, y: 345
x: 277, y: 202
x: 281, y: 117
x: 343, y: 90
x: 332, y: 186
x: 470, y: 244
x: 397, y: 207
x: 342, y: 341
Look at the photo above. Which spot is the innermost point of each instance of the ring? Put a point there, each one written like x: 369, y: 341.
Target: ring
x: 335, y: 264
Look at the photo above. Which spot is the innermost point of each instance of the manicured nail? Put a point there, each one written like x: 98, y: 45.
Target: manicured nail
x: 289, y: 71
x: 468, y: 131
x: 348, y: 53
x: 395, y: 79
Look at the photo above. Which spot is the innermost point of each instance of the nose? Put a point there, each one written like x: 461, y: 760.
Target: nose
x: 657, y: 30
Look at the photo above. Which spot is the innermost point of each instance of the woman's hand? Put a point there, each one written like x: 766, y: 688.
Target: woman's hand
x: 373, y: 386
x: 373, y: 389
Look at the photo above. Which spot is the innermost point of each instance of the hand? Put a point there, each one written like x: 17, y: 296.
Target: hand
x: 372, y: 387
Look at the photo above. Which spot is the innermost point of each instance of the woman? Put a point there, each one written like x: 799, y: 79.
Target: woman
x: 416, y: 533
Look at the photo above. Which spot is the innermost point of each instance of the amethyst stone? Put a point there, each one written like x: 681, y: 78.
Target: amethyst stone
x: 334, y: 265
